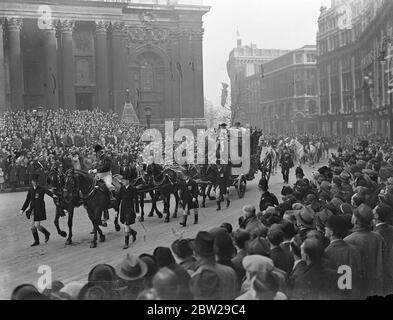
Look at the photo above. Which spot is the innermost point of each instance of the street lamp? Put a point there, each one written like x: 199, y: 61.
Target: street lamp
x: 40, y: 115
x: 148, y: 116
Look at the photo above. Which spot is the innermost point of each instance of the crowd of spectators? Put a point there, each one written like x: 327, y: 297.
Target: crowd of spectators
x: 330, y: 237
x: 31, y: 145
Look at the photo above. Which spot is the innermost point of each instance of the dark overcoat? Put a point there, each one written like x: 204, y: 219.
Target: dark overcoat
x: 35, y: 198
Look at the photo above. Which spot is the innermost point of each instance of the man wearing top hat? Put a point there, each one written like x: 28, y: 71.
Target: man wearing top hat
x: 35, y: 199
x: 103, y: 170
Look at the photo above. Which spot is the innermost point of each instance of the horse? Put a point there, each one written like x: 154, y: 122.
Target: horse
x: 166, y: 181
x: 95, y: 198
x: 208, y: 178
x: 297, y: 151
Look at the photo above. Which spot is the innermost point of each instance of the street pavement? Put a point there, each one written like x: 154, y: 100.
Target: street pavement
x: 19, y: 263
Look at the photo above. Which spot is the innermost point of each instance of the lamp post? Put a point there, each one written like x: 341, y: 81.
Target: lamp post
x: 148, y: 116
x: 40, y: 115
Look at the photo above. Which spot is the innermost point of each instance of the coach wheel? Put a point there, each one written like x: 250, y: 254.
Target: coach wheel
x: 241, y: 190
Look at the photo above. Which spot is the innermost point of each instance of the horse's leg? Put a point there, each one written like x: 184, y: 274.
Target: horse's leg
x: 100, y: 233
x: 166, y: 199
x: 70, y: 210
x: 156, y: 198
x: 203, y: 190
x: 95, y: 230
x: 142, y: 206
x: 57, y: 217
x: 152, y: 194
x: 116, y: 222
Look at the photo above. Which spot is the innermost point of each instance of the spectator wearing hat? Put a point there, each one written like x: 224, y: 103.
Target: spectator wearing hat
x: 25, y: 292
x: 128, y: 206
x: 131, y: 271
x: 183, y: 251
x: 267, y: 199
x: 241, y: 239
x: 286, y: 163
x: 264, y: 287
x: 282, y: 259
x: 314, y: 281
x: 151, y: 269
x: 165, y: 258
x: 250, y: 222
x: 383, y: 214
x: 298, y: 264
x: 35, y: 199
x: 289, y: 231
x: 205, y: 255
x: 339, y: 253
x: 371, y: 246
x: 305, y: 220
x: 166, y: 284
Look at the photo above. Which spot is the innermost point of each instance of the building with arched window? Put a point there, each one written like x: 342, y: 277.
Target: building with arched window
x: 85, y: 54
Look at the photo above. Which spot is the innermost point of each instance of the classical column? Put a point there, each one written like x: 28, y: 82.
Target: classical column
x: 51, y: 74
x: 197, y: 69
x: 118, y: 31
x: 16, y: 71
x: 2, y: 70
x: 66, y: 28
x: 102, y: 78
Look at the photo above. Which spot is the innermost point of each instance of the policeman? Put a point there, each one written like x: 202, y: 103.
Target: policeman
x: 35, y: 199
x: 189, y: 199
x: 222, y: 179
x: 103, y: 170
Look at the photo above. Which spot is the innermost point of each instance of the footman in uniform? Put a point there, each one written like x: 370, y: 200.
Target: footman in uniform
x: 35, y: 199
x: 223, y: 177
x: 189, y: 198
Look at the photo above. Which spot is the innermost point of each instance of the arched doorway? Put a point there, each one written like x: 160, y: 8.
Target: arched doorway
x: 148, y: 80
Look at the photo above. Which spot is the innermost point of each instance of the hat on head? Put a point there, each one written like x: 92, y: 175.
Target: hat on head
x: 98, y: 148
x: 338, y: 224
x: 263, y: 184
x: 151, y: 264
x: 259, y: 246
x: 182, y: 248
x: 364, y: 214
x: 322, y: 217
x: 346, y: 208
x: 257, y: 264
x: 217, y: 230
x: 102, y: 272
x: 35, y: 177
x: 223, y: 245
x: 345, y: 176
x: 286, y: 190
x: 223, y: 124
x: 299, y: 172
x: 305, y: 217
x: 132, y: 268
x: 204, y: 244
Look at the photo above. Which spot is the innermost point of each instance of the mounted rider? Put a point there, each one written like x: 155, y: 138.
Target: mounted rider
x: 103, y: 170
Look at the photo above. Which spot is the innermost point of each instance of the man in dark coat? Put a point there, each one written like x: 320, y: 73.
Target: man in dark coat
x: 189, y: 199
x: 286, y: 164
x: 267, y: 199
x: 371, y: 246
x: 314, y: 281
x: 339, y: 253
x: 127, y: 207
x: 222, y: 180
x: 35, y: 199
x: 282, y: 259
x: 382, y: 214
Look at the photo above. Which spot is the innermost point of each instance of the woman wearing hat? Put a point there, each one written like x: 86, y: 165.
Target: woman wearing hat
x: 35, y: 199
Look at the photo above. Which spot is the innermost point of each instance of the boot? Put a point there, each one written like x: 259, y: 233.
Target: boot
x: 228, y: 203
x: 184, y: 222
x: 196, y: 218
x: 36, y: 237
x: 126, y: 241
x: 45, y: 232
x: 133, y: 233
x: 218, y: 206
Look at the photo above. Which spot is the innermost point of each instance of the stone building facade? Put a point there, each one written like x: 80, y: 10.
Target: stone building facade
x: 84, y: 54
x: 354, y: 67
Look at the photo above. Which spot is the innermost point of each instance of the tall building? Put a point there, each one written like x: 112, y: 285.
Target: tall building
x: 245, y: 61
x: 85, y: 54
x: 354, y: 67
x: 284, y: 97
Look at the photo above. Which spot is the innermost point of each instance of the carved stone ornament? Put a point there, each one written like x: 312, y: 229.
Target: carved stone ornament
x: 14, y: 23
x: 102, y: 26
x: 147, y: 35
x: 147, y: 17
x: 66, y: 25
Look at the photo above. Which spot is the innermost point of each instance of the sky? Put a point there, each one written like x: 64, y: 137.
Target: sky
x: 270, y: 24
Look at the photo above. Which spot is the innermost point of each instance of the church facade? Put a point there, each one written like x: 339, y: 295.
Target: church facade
x: 85, y: 54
